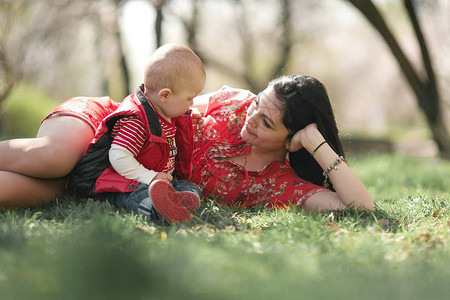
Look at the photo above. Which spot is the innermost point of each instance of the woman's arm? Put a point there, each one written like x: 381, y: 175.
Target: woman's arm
x: 350, y: 192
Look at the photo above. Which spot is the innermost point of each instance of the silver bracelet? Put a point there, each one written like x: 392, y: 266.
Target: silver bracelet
x: 331, y: 167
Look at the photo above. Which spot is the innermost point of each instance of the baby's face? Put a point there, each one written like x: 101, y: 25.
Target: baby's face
x: 183, y: 97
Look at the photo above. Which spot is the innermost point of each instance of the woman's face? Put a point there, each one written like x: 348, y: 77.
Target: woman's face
x: 264, y: 128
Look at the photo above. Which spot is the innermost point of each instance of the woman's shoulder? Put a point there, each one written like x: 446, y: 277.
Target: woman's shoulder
x: 226, y: 99
x: 226, y: 114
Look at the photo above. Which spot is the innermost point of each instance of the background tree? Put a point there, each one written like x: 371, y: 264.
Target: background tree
x: 158, y: 5
x: 110, y: 14
x: 31, y: 35
x: 247, y: 72
x: 424, y: 86
x: 248, y: 69
x: 72, y: 48
x: 61, y: 45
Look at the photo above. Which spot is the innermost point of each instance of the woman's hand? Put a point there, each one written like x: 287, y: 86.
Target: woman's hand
x: 308, y: 137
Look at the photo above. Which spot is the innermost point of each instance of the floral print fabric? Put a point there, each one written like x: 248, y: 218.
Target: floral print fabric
x: 228, y: 183
x: 91, y: 110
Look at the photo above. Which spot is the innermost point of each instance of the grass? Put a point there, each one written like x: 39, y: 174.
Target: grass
x: 73, y: 249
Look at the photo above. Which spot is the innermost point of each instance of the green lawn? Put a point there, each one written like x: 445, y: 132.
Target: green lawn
x: 86, y: 250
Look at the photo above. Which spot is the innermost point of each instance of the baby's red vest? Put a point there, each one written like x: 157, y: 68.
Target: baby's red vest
x: 94, y: 174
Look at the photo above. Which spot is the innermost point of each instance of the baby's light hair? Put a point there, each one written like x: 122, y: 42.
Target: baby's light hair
x: 170, y: 65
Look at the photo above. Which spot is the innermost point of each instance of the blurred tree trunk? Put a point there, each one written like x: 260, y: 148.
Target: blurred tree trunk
x: 118, y: 40
x: 191, y: 26
x: 99, y: 37
x: 158, y: 5
x: 286, y: 43
x: 424, y: 87
x: 248, y: 74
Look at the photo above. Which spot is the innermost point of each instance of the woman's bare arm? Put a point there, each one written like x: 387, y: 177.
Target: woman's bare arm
x: 350, y: 192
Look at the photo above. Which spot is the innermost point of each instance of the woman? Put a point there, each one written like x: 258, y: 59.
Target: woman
x: 247, y: 151
x: 240, y: 157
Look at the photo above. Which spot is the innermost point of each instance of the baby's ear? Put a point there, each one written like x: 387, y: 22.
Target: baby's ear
x: 164, y: 94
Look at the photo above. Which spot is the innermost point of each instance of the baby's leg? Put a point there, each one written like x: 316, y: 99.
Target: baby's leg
x: 59, y: 145
x: 19, y: 190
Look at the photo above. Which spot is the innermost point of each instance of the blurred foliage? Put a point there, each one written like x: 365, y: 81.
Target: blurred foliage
x: 24, y: 110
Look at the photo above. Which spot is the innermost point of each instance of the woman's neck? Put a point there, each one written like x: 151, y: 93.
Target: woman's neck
x: 257, y: 159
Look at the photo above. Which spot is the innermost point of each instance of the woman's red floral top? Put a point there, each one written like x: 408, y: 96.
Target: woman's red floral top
x: 228, y: 183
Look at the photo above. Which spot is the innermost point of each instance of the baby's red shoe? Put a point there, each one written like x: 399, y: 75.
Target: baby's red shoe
x: 166, y: 202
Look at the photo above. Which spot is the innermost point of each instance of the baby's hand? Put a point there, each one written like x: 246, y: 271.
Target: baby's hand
x: 197, y: 121
x: 163, y: 176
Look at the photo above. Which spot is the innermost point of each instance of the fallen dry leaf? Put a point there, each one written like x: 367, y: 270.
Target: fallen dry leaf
x: 436, y: 213
x: 337, y: 229
x: 182, y: 232
x: 330, y: 218
x: 400, y: 239
x: 149, y: 229
x: 424, y: 237
x: 383, y: 222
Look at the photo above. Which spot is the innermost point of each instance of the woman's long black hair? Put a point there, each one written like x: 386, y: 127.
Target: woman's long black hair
x: 305, y: 101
